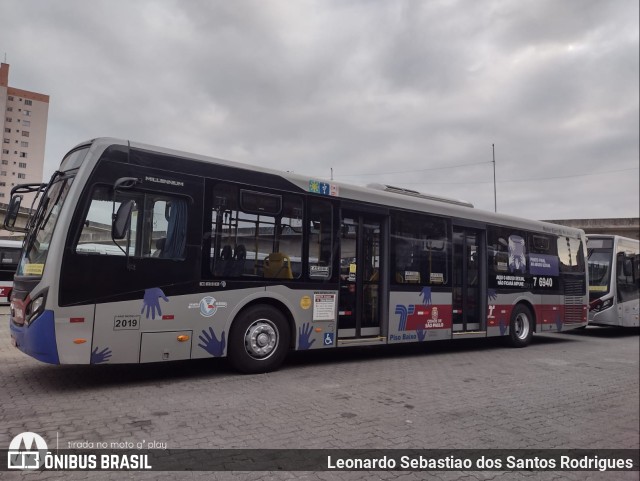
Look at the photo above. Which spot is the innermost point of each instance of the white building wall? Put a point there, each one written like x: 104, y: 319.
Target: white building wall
x: 24, y: 132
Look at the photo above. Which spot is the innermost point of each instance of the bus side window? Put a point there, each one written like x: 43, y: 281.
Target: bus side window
x: 320, y: 240
x: 627, y: 277
x: 420, y: 249
x: 570, y: 254
x: 254, y: 225
x: 508, y: 250
x: 95, y: 237
x: 168, y: 230
x: 156, y: 230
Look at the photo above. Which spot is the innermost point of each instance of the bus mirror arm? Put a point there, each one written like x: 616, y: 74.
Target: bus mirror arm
x: 12, y: 213
x: 13, y: 210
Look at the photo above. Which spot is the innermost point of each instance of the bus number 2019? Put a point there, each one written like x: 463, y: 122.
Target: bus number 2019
x: 126, y: 322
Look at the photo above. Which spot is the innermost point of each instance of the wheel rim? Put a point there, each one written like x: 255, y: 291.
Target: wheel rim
x: 521, y: 326
x: 261, y: 339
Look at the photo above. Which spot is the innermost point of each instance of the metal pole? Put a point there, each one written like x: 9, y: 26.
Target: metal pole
x: 495, y: 197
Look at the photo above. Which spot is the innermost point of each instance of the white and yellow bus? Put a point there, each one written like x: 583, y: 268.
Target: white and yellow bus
x: 9, y: 256
x: 614, y: 280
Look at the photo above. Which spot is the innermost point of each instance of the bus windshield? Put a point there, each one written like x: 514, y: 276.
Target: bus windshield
x: 599, y: 272
x: 42, y: 224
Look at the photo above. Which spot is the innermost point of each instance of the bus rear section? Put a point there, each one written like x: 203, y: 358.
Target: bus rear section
x: 614, y: 281
x: 9, y: 257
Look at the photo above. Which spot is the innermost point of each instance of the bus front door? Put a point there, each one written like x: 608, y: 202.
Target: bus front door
x: 468, y: 279
x: 360, y: 256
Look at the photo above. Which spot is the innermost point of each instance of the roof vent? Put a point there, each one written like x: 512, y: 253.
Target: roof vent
x: 415, y: 193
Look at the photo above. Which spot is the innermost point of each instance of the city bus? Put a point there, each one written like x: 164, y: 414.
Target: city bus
x: 9, y: 256
x: 614, y: 280
x: 203, y: 257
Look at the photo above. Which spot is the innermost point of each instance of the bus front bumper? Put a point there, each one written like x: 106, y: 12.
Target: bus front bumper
x: 38, y: 339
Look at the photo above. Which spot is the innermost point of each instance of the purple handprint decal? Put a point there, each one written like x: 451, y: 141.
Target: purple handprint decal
x: 211, y: 344
x: 303, y: 336
x: 152, y: 302
x: 426, y: 295
x: 558, y: 322
x: 503, y: 326
x: 99, y: 357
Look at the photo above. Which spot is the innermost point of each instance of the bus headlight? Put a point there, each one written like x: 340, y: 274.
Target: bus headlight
x: 600, y: 305
x: 35, y: 308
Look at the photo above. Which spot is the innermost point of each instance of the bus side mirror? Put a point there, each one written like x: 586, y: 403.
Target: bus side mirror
x: 12, y: 211
x: 121, y: 220
x: 627, y: 267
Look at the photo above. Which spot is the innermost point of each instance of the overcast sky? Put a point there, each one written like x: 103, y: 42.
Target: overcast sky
x: 408, y: 93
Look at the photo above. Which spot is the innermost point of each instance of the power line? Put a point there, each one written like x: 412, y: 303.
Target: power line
x: 418, y: 170
x: 524, y: 180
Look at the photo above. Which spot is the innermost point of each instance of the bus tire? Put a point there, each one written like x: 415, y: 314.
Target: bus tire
x: 520, y: 327
x: 259, y: 339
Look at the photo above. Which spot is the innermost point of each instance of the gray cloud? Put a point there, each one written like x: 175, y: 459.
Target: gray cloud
x: 393, y: 88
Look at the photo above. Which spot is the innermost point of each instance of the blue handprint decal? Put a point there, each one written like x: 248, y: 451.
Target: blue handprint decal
x: 99, y: 357
x: 211, y: 344
x: 503, y: 326
x: 492, y: 295
x: 426, y: 295
x: 152, y: 302
x: 421, y: 334
x: 558, y: 322
x: 304, y: 332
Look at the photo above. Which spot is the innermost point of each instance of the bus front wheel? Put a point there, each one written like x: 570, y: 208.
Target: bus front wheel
x: 259, y: 340
x: 520, y: 327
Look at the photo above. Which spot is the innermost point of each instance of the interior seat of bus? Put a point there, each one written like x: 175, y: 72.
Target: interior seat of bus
x: 159, y: 246
x: 230, y: 263
x: 239, y: 256
x: 277, y: 266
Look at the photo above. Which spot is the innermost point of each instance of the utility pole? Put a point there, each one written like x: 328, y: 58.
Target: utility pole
x: 495, y: 196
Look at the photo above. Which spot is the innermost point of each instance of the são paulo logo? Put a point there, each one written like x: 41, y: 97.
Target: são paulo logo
x: 26, y: 451
x: 209, y: 306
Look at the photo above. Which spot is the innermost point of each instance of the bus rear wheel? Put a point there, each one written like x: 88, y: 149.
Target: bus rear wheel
x: 520, y: 327
x: 259, y: 340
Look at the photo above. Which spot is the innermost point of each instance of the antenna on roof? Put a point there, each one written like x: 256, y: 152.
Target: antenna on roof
x: 495, y: 195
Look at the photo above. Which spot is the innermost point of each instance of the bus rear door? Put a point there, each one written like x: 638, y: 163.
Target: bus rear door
x: 362, y: 271
x: 468, y: 280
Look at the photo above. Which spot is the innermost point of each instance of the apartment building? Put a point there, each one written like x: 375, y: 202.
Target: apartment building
x: 24, y: 122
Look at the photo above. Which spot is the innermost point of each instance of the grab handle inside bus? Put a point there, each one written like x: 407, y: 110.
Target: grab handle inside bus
x: 125, y: 183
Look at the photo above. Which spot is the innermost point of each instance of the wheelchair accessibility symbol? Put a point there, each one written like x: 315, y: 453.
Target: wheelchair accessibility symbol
x: 328, y: 339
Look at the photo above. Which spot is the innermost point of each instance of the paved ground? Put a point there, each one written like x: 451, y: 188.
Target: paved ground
x: 576, y: 390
